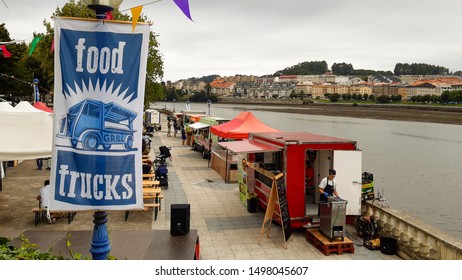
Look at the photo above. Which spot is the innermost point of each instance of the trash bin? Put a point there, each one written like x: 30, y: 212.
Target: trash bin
x: 252, y: 205
x: 388, y: 245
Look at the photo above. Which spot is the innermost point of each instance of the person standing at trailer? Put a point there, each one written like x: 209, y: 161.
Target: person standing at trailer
x: 175, y: 127
x: 309, y: 170
x: 39, y: 162
x: 183, y: 135
x: 328, y: 187
x: 189, y: 132
x: 169, y: 128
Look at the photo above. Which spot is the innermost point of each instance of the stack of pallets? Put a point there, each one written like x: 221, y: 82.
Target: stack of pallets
x: 318, y: 240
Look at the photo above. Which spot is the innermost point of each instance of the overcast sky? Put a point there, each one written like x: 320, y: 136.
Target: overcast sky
x: 257, y: 37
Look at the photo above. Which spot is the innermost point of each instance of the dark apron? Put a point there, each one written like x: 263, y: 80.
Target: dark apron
x: 328, y: 189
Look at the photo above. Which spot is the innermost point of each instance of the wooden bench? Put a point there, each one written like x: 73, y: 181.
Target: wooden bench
x: 149, y: 176
x: 154, y: 193
x: 159, y: 199
x: 155, y: 208
x: 41, y: 214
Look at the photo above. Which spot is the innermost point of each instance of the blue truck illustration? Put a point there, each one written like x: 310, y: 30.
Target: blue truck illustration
x: 94, y: 124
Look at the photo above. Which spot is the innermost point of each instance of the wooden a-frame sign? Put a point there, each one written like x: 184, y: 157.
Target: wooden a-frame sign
x: 277, y: 193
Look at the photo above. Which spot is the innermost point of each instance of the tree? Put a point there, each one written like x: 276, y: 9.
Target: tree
x: 15, y: 76
x: 203, y: 97
x: 419, y: 69
x: 383, y: 99
x: 456, y: 96
x: 154, y: 70
x: 445, y: 97
x: 305, y: 68
x: 334, y: 97
x: 343, y: 68
x: 208, y: 89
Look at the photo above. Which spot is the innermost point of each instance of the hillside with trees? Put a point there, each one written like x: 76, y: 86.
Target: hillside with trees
x: 347, y: 69
x: 419, y: 69
x: 305, y: 68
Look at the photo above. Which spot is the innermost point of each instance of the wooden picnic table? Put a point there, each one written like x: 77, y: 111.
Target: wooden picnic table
x: 151, y: 193
x: 150, y: 184
x: 149, y: 176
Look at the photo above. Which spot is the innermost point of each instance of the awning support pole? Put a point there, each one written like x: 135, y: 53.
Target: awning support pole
x: 226, y: 172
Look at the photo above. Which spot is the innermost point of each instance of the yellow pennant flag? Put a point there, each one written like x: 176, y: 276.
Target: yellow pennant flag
x: 136, y: 12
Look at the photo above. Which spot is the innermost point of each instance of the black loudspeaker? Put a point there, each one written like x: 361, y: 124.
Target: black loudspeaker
x: 179, y: 221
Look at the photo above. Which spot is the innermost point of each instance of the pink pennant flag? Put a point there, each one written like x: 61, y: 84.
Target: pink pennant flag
x: 6, y: 53
x: 184, y: 7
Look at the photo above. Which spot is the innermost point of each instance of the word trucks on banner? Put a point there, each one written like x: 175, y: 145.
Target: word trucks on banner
x: 100, y: 71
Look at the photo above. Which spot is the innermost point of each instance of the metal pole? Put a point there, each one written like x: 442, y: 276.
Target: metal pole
x: 226, y: 171
x: 209, y: 102
x: 210, y: 151
x: 100, y: 247
x: 35, y: 82
x: 1, y: 175
x: 100, y: 244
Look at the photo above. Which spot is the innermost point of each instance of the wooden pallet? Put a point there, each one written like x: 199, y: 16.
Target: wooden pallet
x: 315, y: 237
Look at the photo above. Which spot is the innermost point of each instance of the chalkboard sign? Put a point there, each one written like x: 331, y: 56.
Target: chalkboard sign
x: 283, y: 206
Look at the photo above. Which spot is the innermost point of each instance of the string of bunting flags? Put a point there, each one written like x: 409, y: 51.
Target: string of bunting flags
x: 136, y: 12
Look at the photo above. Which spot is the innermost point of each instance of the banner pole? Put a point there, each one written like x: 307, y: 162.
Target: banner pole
x: 100, y: 247
x: 100, y: 244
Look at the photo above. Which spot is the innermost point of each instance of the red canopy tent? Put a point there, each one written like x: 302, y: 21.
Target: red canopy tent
x: 240, y: 126
x: 43, y: 107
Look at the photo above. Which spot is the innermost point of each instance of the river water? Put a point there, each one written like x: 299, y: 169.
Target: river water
x: 418, y: 166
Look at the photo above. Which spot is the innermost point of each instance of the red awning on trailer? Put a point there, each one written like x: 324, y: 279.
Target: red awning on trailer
x: 249, y: 146
x: 240, y: 126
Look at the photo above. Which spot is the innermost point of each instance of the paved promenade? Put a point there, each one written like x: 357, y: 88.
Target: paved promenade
x: 225, y: 228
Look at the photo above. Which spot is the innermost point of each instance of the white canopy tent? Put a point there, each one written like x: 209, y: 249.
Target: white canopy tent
x: 198, y: 125
x: 25, y: 106
x: 25, y: 135
x: 6, y: 107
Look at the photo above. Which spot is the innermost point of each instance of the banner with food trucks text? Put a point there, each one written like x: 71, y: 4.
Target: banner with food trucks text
x: 100, y: 70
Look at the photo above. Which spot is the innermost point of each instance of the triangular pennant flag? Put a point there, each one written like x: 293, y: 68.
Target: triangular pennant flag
x: 136, y: 12
x: 184, y: 7
x: 33, y: 44
x: 109, y: 15
x: 6, y: 53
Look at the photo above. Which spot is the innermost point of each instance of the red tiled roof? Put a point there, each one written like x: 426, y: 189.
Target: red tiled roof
x: 439, y: 81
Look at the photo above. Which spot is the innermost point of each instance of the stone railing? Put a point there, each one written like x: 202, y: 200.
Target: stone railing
x: 416, y: 240
x: 262, y: 101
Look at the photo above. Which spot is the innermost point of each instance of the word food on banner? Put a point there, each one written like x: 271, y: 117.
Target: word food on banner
x: 103, y: 59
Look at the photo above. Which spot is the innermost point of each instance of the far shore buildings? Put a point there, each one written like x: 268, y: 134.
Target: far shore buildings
x: 317, y: 86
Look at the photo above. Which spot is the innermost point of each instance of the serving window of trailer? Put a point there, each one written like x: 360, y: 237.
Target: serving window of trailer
x: 224, y: 162
x: 259, y: 155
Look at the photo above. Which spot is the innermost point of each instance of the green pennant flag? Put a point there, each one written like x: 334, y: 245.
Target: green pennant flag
x: 33, y: 44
